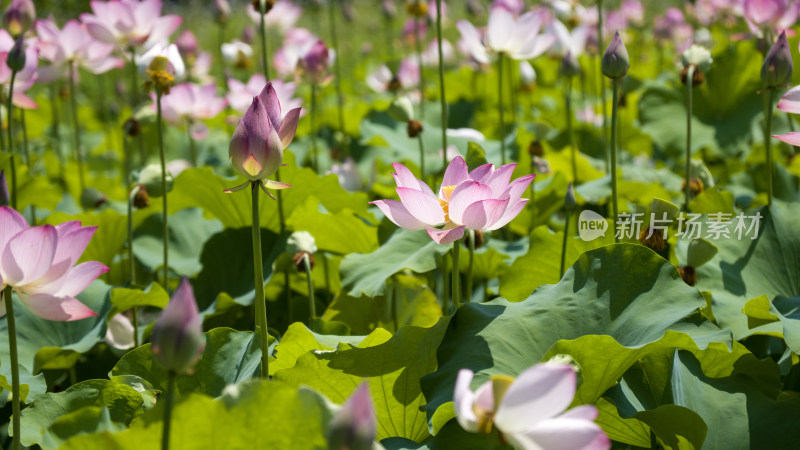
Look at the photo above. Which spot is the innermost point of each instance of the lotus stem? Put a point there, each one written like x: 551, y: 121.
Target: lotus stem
x: 313, y: 114
x: 442, y: 96
x: 613, y: 152
x: 75, y: 128
x: 165, y: 229
x: 192, y: 146
x: 456, y: 281
x: 418, y: 43
x: 258, y: 276
x: 337, y: 70
x: 12, y: 347
x: 564, y: 245
x: 392, y: 299
x: 422, y: 157
x: 570, y: 133
x: 222, y: 68
x: 470, y: 263
x: 768, y: 143
x: 135, y: 102
x: 512, y: 90
x: 263, y: 32
x: 26, y: 153
x: 600, y: 72
x: 168, y: 402
x: 312, y: 306
x: 500, y: 59
x: 131, y: 259
x: 9, y: 109
x: 687, y: 188
x: 56, y: 129
x: 445, y: 285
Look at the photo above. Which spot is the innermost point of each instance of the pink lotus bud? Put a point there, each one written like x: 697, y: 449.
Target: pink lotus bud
x: 777, y: 68
x: 314, y: 64
x: 615, y: 61
x: 177, y: 340
x: 187, y: 45
x: 353, y: 427
x: 19, y: 16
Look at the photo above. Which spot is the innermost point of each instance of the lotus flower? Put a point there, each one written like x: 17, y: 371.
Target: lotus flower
x: 175, y: 67
x: 314, y: 64
x: 188, y: 102
x: 25, y: 78
x: 19, y: 16
x: 296, y: 45
x: 256, y: 148
x: 178, y: 333
x: 770, y: 14
x: 517, y: 38
x: 353, y: 427
x: 481, y: 200
x: 407, y: 77
x: 37, y: 262
x: 237, y: 53
x: 130, y: 23
x: 530, y: 413
x: 240, y: 95
x: 71, y: 45
x: 282, y: 16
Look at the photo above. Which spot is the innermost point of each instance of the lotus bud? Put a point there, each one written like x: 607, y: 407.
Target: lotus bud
x: 401, y: 109
x: 697, y: 56
x: 569, y: 199
x: 177, y: 340
x: 314, y: 65
x: 4, y: 196
x: 615, y: 61
x: 700, y: 251
x: 301, y: 241
x: 777, y: 68
x: 187, y: 45
x: 19, y: 16
x: 255, y: 149
x: 150, y: 178
x: 354, y: 426
x: 222, y: 10
x: 569, y: 66
x: 16, y: 57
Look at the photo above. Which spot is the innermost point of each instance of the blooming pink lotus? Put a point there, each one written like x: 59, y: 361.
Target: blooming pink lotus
x: 296, y: 43
x: 382, y: 80
x: 37, y: 262
x: 517, y: 38
x: 25, y: 78
x: 70, y: 46
x: 256, y: 148
x: 240, y: 95
x: 187, y: 103
x: 530, y: 415
x: 770, y: 14
x: 483, y: 199
x: 130, y: 23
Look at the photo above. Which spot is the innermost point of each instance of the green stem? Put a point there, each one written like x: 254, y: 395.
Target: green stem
x: 564, y: 246
x: 512, y: 89
x: 337, y: 70
x: 445, y: 286
x: 312, y: 306
x: 687, y: 188
x: 222, y: 69
x: 165, y: 229
x: 24, y: 126
x: 613, y: 152
x: 768, y: 143
x: 73, y: 104
x: 263, y: 29
x: 192, y: 146
x: 286, y: 282
x: 456, y: 281
x: 12, y: 347
x: 327, y: 273
x: 418, y: 43
x: 131, y: 259
x: 600, y: 43
x: 570, y: 134
x: 391, y: 298
x: 168, y: 402
x: 281, y: 219
x: 258, y: 276
x: 313, y: 116
x: 500, y: 58
x: 442, y: 96
x: 56, y: 128
x: 135, y: 102
x: 422, y: 157
x: 469, y: 265
x: 9, y: 109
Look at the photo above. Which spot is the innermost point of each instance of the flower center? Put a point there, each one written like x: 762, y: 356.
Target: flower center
x: 159, y: 73
x: 443, y: 202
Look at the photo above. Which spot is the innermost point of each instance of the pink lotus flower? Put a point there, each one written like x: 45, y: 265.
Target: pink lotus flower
x: 187, y: 103
x: 25, y: 78
x: 69, y: 46
x: 37, y: 262
x: 296, y: 44
x: 240, y: 95
x: 256, y: 148
x: 481, y: 200
x: 314, y: 65
x: 354, y: 425
x: 770, y: 14
x: 517, y: 38
x: 531, y: 413
x: 19, y: 16
x: 407, y: 77
x: 282, y: 16
x: 178, y: 340
x: 130, y: 23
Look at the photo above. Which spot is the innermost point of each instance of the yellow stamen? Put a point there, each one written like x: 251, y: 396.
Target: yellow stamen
x: 446, y: 191
x: 158, y: 71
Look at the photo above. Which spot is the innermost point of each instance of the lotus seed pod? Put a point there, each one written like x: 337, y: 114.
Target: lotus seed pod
x: 700, y: 251
x: 401, y: 109
x: 698, y: 56
x: 150, y: 178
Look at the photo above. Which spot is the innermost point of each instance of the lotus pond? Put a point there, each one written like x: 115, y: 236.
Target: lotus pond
x: 399, y: 224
